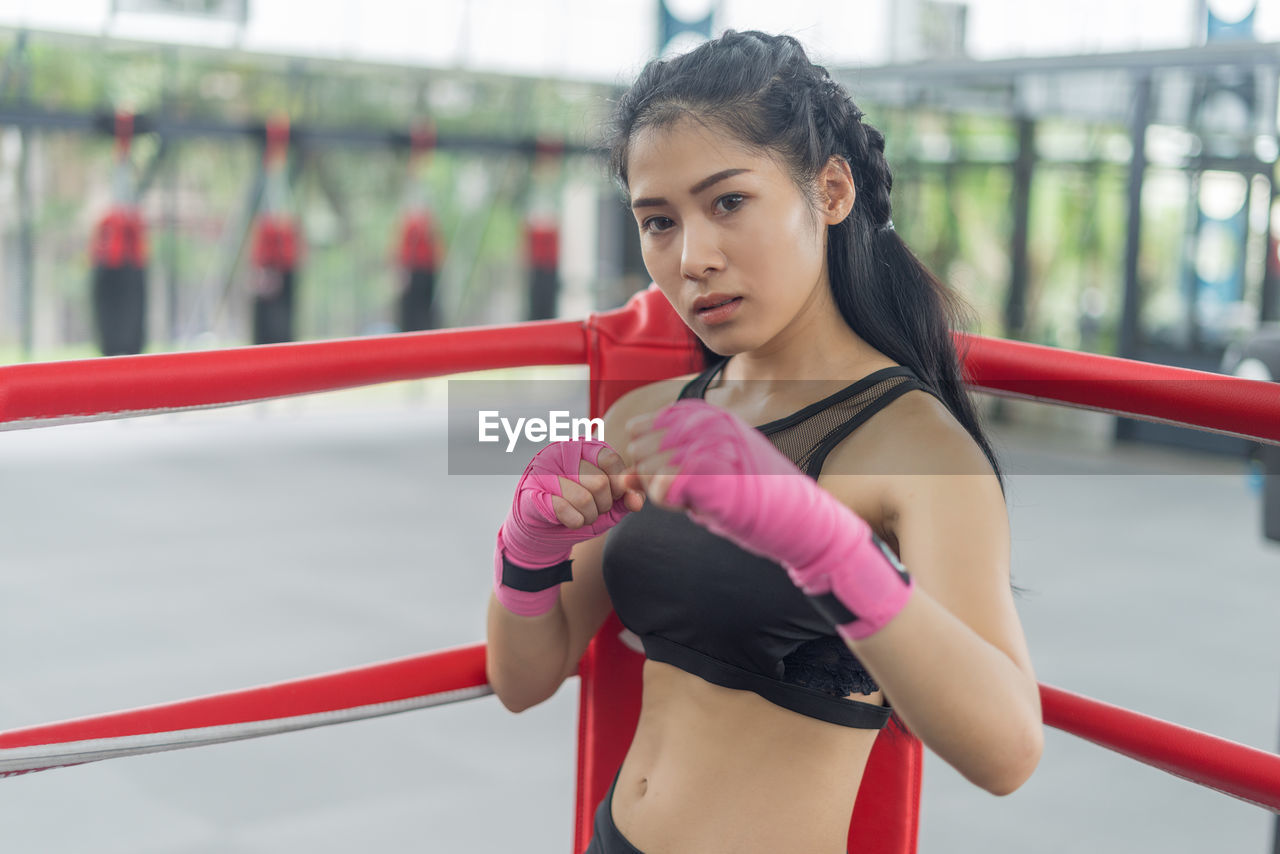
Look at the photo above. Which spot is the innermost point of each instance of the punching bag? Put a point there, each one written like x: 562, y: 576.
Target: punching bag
x: 275, y: 254
x: 277, y: 246
x: 419, y: 264
x: 542, y: 249
x: 119, y: 253
x: 419, y: 251
x: 542, y: 230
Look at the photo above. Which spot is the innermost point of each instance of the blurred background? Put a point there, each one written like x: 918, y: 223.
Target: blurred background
x: 1097, y: 175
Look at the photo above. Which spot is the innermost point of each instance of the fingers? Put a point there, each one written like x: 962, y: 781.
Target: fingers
x: 633, y: 500
x: 567, y: 513
x: 577, y: 505
x: 594, y: 493
x: 644, y: 448
x: 653, y: 484
x: 640, y: 424
x: 651, y: 471
x: 613, y: 466
x: 658, y: 487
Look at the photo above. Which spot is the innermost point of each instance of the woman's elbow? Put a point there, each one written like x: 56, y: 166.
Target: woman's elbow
x: 514, y: 700
x: 1019, y: 760
x: 514, y: 703
x: 518, y: 695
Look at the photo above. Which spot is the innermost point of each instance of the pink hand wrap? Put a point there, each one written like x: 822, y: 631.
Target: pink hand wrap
x: 737, y: 484
x: 533, y: 539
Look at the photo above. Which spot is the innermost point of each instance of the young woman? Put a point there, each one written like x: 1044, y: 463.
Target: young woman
x: 789, y: 580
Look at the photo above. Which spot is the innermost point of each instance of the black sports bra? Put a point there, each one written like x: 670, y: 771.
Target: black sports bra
x: 702, y: 604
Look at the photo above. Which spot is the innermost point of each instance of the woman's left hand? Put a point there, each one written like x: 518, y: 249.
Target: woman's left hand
x: 651, y: 470
x: 699, y: 458
x: 731, y: 479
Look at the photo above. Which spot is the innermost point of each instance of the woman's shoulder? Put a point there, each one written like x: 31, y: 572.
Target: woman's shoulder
x: 900, y: 454
x: 914, y: 434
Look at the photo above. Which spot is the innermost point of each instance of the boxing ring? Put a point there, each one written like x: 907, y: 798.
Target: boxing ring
x: 639, y: 343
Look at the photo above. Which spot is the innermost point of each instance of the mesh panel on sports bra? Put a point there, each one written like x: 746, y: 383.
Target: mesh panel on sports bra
x: 808, y: 441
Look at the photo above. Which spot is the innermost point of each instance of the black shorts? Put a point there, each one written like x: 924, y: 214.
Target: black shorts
x: 605, y: 837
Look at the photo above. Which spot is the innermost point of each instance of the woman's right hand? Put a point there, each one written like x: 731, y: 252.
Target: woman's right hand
x: 570, y: 492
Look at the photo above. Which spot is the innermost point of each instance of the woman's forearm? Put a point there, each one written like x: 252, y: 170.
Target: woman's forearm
x: 525, y: 659
x: 961, y: 695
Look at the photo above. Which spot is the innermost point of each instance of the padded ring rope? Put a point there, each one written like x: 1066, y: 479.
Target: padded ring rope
x: 1234, y: 769
x: 46, y: 393
x: 41, y: 394
x: 374, y: 690
x: 1217, y: 403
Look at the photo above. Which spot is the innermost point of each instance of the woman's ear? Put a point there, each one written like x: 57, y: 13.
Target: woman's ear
x: 835, y: 184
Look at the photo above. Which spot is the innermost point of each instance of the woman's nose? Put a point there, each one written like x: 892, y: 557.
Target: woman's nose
x: 701, y: 252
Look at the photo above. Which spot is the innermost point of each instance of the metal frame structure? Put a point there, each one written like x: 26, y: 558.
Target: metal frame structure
x: 1030, y: 89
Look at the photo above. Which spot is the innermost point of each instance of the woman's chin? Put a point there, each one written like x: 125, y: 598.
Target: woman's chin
x: 716, y: 350
x: 724, y: 343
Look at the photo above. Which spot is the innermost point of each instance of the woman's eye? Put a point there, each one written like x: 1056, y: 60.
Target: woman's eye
x: 655, y: 224
x: 730, y: 202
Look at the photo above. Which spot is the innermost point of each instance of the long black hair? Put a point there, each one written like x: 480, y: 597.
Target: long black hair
x: 764, y: 91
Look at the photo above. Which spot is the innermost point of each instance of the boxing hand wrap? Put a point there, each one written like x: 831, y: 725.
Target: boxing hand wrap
x: 531, y: 558
x: 732, y: 480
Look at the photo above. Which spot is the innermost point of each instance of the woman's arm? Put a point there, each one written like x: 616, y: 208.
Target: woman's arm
x: 954, y: 662
x: 529, y: 657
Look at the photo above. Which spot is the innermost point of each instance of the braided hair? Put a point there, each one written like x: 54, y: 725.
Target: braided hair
x: 763, y: 91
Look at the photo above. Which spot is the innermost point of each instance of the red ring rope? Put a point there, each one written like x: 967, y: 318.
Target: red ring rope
x: 36, y: 394
x: 1234, y: 769
x: 42, y: 393
x: 362, y: 692
x: 1206, y: 401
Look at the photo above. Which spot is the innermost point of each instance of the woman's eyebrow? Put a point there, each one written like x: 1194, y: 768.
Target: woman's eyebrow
x: 709, y: 181
x: 714, y: 179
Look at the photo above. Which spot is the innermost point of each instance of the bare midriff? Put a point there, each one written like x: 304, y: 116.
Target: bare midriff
x: 714, y: 770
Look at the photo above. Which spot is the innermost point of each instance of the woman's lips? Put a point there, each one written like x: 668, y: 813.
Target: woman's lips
x: 714, y: 314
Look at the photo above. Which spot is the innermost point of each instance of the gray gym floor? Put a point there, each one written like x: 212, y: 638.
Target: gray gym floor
x: 178, y: 555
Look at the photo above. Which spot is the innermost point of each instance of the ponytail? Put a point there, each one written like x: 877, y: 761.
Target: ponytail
x: 901, y: 309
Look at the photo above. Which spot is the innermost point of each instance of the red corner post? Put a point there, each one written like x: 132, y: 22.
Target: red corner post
x: 642, y: 342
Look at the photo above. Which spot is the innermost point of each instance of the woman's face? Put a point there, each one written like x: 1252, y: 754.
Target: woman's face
x: 727, y: 235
